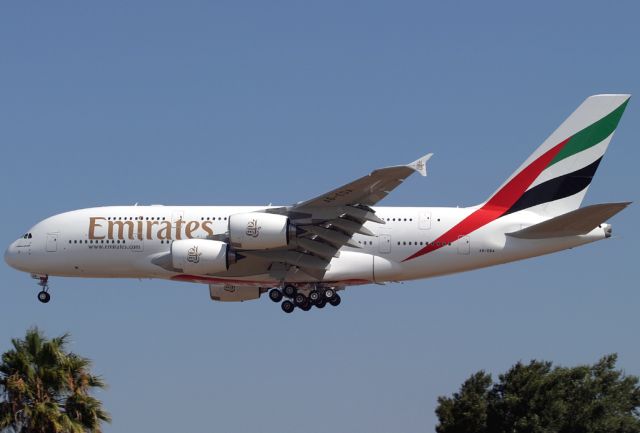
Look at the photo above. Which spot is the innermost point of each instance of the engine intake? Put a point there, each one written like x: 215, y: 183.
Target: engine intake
x: 259, y: 231
x: 201, y: 256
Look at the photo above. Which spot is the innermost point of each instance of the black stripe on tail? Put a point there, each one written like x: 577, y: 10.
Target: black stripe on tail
x: 555, y: 189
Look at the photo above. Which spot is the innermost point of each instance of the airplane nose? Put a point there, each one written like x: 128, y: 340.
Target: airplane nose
x: 10, y: 256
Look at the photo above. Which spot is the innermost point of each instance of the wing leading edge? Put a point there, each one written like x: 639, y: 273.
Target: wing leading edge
x: 370, y: 189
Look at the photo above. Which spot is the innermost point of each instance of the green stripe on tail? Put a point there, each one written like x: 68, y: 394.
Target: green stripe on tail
x: 591, y: 135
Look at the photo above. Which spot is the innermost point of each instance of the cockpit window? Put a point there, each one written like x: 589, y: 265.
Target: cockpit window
x: 27, y: 236
x: 30, y: 236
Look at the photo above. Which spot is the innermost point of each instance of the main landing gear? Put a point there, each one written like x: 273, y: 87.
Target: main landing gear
x: 43, y: 295
x: 304, y: 299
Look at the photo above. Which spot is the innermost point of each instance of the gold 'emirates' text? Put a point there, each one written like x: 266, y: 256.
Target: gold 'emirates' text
x: 100, y: 228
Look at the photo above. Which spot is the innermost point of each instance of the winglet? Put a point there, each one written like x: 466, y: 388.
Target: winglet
x: 420, y: 164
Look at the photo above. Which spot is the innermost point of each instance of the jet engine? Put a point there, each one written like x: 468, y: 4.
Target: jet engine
x: 201, y: 256
x: 259, y: 231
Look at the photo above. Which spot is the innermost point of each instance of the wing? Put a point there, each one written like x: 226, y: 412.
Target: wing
x: 327, y: 222
x: 369, y: 189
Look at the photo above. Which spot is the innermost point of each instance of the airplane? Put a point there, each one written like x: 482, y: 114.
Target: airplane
x: 304, y: 254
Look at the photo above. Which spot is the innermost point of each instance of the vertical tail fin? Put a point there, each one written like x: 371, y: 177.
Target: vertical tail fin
x: 555, y: 178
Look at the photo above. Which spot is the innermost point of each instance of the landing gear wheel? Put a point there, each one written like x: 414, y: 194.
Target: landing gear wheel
x: 321, y: 303
x: 275, y: 295
x: 314, y: 296
x: 290, y: 291
x: 335, y: 301
x: 306, y: 306
x: 329, y: 293
x: 300, y: 299
x: 44, y: 297
x: 287, y: 307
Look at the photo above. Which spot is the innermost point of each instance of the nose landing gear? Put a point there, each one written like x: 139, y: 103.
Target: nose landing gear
x: 43, y: 281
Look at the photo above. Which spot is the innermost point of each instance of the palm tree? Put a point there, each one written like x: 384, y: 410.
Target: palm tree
x: 45, y: 389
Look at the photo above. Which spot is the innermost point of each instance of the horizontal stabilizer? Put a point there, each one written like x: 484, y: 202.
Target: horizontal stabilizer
x: 578, y: 222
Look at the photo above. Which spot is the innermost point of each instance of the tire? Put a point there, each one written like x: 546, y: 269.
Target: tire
x: 335, y: 301
x: 290, y: 291
x: 314, y: 296
x: 329, y: 293
x: 306, y: 306
x: 287, y: 307
x: 321, y: 303
x: 275, y: 295
x: 44, y: 297
x: 300, y: 299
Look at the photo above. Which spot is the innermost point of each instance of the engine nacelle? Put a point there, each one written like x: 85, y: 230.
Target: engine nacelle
x: 201, y: 256
x: 259, y: 231
x: 231, y: 293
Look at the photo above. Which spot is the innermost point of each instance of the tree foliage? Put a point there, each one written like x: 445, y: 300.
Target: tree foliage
x: 46, y: 389
x: 538, y: 397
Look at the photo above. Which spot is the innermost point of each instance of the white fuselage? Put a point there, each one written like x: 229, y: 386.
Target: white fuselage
x: 122, y: 242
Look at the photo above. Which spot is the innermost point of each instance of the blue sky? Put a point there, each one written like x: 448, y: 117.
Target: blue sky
x: 275, y: 102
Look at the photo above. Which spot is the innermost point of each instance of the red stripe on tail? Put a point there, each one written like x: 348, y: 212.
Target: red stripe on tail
x: 497, y: 205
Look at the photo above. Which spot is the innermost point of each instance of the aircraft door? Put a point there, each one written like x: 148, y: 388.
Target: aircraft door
x: 384, y: 243
x: 424, y: 220
x: 464, y: 245
x: 52, y: 242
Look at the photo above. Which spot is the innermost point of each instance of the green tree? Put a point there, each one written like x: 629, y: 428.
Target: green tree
x: 538, y: 397
x: 46, y: 389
